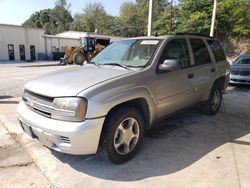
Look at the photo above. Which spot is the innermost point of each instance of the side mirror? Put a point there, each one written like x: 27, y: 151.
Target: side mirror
x: 169, y: 65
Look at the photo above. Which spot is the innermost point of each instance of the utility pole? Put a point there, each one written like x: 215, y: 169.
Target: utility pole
x: 213, y: 19
x: 171, y: 17
x: 150, y: 17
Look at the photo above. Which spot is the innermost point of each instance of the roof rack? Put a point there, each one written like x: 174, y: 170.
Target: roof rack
x: 197, y: 34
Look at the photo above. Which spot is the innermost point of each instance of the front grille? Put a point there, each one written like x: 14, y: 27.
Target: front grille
x: 241, y: 72
x: 40, y: 104
x: 65, y: 139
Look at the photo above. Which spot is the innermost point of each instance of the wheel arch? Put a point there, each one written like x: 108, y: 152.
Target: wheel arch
x: 140, y: 104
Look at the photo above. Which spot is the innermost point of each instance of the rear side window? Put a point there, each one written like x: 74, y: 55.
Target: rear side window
x: 201, y: 54
x: 177, y: 49
x: 217, y: 50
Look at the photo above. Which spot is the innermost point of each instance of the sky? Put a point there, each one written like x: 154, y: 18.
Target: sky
x: 17, y: 11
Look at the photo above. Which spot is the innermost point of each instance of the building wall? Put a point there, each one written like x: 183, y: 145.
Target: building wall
x: 45, y: 45
x: 18, y: 35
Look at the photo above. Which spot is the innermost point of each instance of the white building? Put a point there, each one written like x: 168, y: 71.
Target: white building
x: 25, y: 43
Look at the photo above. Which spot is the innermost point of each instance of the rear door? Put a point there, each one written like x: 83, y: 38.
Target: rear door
x: 204, y: 68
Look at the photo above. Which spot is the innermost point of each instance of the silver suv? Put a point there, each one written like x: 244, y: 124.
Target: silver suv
x: 106, y: 105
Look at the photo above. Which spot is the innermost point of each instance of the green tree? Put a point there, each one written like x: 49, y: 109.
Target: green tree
x: 62, y: 16
x: 195, y: 16
x: 167, y: 21
x: 94, y: 17
x: 53, y: 20
x: 129, y: 20
x: 233, y: 18
x: 142, y: 13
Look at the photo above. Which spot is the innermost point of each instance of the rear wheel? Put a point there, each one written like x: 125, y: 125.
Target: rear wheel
x: 122, y: 135
x: 78, y: 58
x: 212, y: 105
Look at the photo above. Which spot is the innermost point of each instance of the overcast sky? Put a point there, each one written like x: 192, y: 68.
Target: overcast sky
x: 17, y: 11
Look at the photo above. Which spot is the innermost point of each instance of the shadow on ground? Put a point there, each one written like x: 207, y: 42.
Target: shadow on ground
x: 5, y: 97
x: 171, y: 146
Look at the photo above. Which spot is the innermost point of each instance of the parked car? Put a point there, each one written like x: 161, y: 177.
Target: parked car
x: 240, y: 70
x: 106, y: 105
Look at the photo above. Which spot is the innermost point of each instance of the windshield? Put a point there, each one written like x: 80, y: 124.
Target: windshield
x: 131, y: 53
x: 242, y: 61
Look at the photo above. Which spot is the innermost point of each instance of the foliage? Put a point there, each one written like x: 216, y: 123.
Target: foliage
x: 53, y: 20
x: 185, y: 16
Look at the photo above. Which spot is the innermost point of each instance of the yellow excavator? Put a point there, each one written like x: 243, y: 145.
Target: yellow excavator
x: 89, y: 47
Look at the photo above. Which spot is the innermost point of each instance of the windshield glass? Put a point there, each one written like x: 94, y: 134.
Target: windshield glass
x: 132, y: 53
x: 242, y: 61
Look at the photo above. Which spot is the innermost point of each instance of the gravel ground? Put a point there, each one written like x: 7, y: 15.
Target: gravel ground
x: 13, y: 76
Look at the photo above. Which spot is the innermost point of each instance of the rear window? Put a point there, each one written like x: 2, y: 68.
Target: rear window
x: 201, y: 54
x: 217, y: 50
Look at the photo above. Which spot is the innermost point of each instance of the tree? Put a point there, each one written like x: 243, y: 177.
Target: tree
x: 233, y: 18
x: 167, y: 21
x: 195, y: 16
x: 62, y: 16
x: 94, y: 17
x: 53, y: 20
x: 129, y: 20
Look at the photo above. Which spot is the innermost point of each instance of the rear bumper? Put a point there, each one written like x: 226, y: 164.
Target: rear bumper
x: 66, y: 137
x: 238, y: 79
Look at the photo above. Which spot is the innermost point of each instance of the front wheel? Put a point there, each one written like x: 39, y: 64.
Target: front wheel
x: 212, y: 105
x: 78, y: 58
x: 122, y: 135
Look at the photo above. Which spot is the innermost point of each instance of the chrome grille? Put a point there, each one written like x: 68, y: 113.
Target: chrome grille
x: 242, y: 72
x: 38, y: 103
x: 65, y: 139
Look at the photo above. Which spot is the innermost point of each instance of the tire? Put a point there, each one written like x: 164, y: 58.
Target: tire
x: 212, y: 105
x: 78, y: 58
x: 122, y: 135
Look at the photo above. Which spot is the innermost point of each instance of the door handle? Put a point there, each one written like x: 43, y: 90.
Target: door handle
x: 213, y: 69
x: 191, y: 75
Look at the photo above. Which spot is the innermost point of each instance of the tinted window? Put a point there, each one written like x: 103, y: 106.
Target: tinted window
x: 177, y: 49
x: 217, y: 50
x: 201, y: 54
x: 243, y: 61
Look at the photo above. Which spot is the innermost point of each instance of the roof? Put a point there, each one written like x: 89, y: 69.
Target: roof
x: 19, y: 26
x: 167, y: 36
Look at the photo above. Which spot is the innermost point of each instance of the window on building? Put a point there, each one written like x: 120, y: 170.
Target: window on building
x: 53, y: 48
x: 11, y: 52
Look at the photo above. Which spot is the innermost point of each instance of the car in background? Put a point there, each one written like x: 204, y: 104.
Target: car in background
x: 240, y: 70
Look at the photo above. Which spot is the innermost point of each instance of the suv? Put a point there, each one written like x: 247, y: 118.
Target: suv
x: 106, y: 105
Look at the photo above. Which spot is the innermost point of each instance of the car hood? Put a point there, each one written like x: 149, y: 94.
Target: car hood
x: 71, y: 81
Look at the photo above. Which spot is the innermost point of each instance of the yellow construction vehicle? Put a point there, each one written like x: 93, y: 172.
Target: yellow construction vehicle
x: 89, y: 47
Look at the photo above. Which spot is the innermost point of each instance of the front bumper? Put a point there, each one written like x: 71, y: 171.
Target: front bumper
x: 66, y: 137
x: 238, y: 79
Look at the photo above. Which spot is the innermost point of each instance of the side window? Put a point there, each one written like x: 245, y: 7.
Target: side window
x: 217, y: 50
x: 201, y: 54
x: 177, y: 49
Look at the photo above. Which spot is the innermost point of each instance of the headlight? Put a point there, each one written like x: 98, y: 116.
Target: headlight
x: 69, y: 109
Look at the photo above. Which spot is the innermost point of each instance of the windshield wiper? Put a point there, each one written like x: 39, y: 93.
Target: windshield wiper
x: 117, y: 64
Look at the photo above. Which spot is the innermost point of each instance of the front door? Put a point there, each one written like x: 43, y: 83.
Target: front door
x: 22, y: 52
x: 32, y: 52
x: 175, y: 90
x: 11, y: 52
